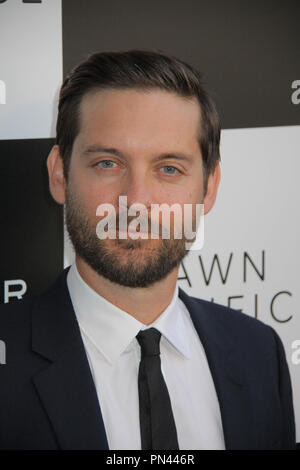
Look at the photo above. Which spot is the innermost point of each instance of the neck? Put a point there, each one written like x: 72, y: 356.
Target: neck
x: 145, y: 304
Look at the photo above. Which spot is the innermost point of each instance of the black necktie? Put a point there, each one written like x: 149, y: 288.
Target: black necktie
x: 158, y: 430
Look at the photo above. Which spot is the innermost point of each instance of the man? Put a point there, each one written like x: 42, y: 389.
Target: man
x: 114, y: 355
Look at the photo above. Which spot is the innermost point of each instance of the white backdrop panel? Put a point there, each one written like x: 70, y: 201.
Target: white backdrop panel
x: 31, y: 68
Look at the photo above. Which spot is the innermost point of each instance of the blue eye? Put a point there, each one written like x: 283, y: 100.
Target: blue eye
x: 171, y: 170
x: 107, y: 164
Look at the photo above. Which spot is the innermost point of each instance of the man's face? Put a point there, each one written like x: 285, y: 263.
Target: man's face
x: 139, y: 144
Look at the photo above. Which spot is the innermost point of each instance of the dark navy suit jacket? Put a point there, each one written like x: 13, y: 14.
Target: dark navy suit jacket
x: 48, y: 399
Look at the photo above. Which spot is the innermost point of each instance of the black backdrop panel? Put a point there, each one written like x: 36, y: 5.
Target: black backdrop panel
x: 31, y: 222
x: 248, y: 51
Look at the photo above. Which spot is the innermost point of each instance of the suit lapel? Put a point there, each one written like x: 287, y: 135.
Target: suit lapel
x: 227, y: 371
x: 66, y: 387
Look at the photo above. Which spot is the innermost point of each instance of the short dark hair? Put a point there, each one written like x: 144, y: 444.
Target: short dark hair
x: 142, y: 69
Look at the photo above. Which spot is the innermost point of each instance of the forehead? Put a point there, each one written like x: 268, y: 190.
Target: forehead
x: 147, y: 114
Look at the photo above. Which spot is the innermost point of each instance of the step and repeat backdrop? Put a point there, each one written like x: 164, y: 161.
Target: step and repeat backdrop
x: 248, y: 53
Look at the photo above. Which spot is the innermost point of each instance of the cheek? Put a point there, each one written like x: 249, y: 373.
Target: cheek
x: 185, y: 196
x: 194, y: 193
x: 89, y: 198
x: 91, y: 193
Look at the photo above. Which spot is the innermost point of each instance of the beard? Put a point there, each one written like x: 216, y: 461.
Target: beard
x: 127, y: 262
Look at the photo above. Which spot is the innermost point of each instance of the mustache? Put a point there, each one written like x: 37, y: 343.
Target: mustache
x: 151, y: 225
x: 144, y: 223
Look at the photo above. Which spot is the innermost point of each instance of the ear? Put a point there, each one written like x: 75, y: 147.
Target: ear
x: 57, y: 183
x: 212, y: 188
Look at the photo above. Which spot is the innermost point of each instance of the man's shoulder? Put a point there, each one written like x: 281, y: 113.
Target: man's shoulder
x: 238, y: 325
x: 16, y: 315
x: 228, y: 313
x: 15, y: 308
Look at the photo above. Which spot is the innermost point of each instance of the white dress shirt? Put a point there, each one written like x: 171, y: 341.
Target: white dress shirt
x: 109, y: 337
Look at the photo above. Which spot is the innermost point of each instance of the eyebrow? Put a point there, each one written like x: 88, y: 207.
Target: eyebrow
x: 97, y: 149
x: 112, y: 151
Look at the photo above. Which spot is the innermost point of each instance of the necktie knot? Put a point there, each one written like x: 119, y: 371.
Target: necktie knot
x: 149, y: 342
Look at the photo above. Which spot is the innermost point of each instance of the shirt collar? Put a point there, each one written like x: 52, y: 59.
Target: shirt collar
x: 172, y: 326
x: 111, y: 329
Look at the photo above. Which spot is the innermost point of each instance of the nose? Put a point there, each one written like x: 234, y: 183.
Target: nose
x: 138, y: 188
